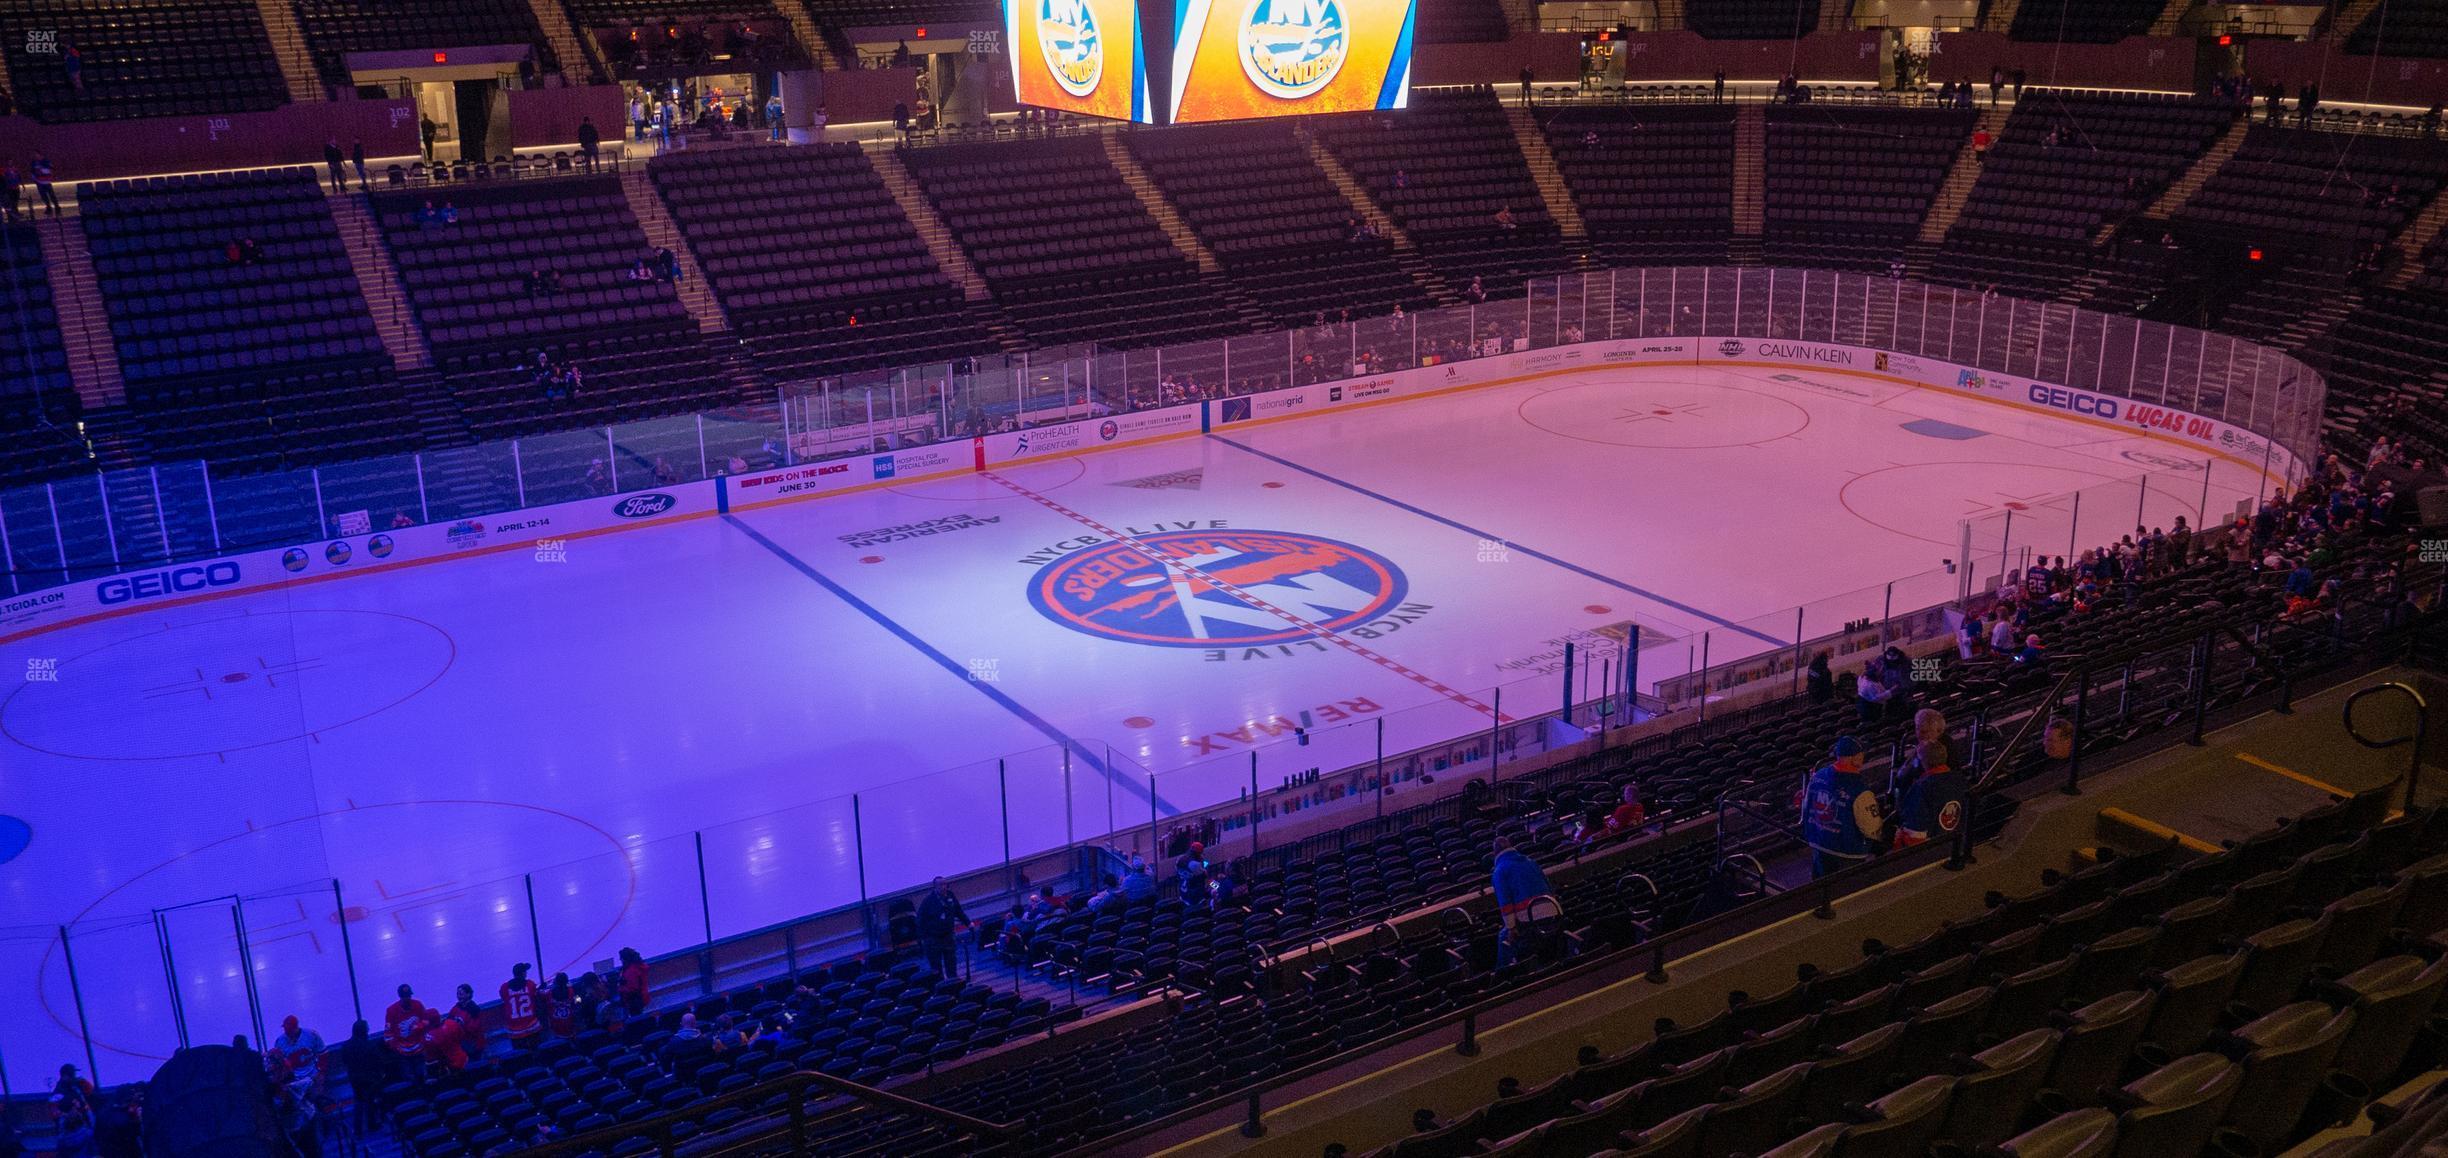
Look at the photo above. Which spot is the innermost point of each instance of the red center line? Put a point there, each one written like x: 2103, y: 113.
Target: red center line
x: 1362, y: 650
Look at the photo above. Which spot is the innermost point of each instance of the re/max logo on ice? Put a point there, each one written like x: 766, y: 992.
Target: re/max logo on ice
x: 2060, y: 398
x: 175, y: 581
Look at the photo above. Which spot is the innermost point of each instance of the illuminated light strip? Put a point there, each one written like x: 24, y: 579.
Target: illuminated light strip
x: 1363, y: 651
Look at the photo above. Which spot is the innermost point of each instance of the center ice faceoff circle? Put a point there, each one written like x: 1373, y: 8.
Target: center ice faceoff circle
x: 1209, y: 589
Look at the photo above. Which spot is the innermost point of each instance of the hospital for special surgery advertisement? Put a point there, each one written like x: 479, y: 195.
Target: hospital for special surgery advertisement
x: 1238, y: 59
x: 1079, y: 56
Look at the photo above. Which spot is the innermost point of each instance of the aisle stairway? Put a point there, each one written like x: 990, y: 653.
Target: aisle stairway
x: 2350, y: 18
x: 2195, y: 175
x: 663, y: 233
x: 577, y: 63
x: 947, y: 252
x: 289, y: 47
x: 2001, y: 15
x: 93, y: 361
x: 378, y: 279
x: 811, y: 36
x: 1356, y: 194
x: 1550, y: 180
x: 1750, y: 172
x: 1153, y: 200
x: 2415, y: 238
x: 1961, y: 174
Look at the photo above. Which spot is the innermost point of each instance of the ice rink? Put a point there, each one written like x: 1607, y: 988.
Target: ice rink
x: 572, y: 729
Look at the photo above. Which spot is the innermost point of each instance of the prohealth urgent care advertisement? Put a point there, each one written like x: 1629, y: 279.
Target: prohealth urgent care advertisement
x: 1239, y: 59
x: 1079, y: 56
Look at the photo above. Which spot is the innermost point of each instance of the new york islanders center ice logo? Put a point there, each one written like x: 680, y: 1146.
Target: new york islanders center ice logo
x: 1246, y: 584
x: 1292, y: 48
x: 1074, y: 52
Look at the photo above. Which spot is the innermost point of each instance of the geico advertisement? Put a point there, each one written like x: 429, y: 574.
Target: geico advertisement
x: 1080, y: 56
x: 1237, y: 59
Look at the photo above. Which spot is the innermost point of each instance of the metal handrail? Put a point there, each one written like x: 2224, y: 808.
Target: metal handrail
x: 2006, y: 751
x: 2421, y: 732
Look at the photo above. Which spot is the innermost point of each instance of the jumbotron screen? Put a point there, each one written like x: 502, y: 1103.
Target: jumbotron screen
x: 1238, y: 59
x: 1079, y: 56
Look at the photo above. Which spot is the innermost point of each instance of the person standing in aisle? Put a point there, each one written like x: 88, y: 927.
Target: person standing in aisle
x: 940, y: 919
x: 41, y: 170
x: 1840, y: 815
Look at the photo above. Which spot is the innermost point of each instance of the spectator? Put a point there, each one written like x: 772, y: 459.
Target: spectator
x: 332, y: 161
x: 1997, y: 83
x: 563, y: 1010
x: 1526, y: 78
x: 1517, y: 881
x: 72, y: 1108
x: 1504, y: 221
x: 638, y: 272
x: 2002, y: 635
x: 1628, y: 815
x: 427, y: 132
x: 590, y: 139
x: 1190, y: 873
x: 637, y: 118
x: 1840, y: 815
x: 1871, y: 691
x: 667, y: 265
x: 1138, y: 882
x: 12, y: 186
x: 521, y: 1014
x: 403, y: 1024
x: 632, y: 982
x: 1717, y: 95
x: 450, y: 213
x: 299, y: 1050
x: 368, y: 1072
x: 41, y: 170
x: 446, y: 1040
x: 1819, y: 682
x: 940, y: 919
x: 72, y: 64
x: 1981, y: 140
x: 688, y: 1049
x: 357, y: 160
x: 2031, y: 654
x: 1475, y: 293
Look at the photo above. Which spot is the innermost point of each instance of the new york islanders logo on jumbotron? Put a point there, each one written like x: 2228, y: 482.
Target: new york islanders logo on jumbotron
x: 1074, y: 49
x: 1292, y: 48
x: 1210, y: 589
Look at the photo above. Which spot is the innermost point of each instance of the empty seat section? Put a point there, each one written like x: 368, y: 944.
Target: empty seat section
x: 470, y: 284
x: 93, y: 60
x: 240, y: 329
x: 1444, y: 169
x: 1068, y: 250
x: 814, y: 262
x: 1274, y: 221
x: 1655, y: 183
x: 1847, y: 187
